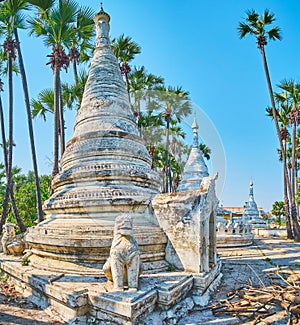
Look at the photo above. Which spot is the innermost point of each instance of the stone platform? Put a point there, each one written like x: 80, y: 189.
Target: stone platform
x: 81, y: 298
x: 235, y: 240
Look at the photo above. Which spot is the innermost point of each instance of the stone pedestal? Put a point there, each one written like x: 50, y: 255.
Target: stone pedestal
x: 82, y: 299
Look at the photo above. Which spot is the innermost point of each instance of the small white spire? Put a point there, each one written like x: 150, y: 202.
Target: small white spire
x: 195, y: 132
x: 195, y: 125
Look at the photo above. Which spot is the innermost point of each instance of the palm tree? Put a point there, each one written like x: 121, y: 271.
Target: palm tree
x: 12, y: 9
x: 282, y: 113
x: 141, y: 85
x: 80, y: 47
x: 173, y: 104
x: 291, y: 94
x: 9, y: 195
x: 152, y: 126
x: 72, y: 94
x: 56, y: 26
x: 257, y: 26
x: 4, y: 147
x: 125, y: 49
x: 205, y: 150
x: 278, y: 210
x: 43, y: 104
x: 10, y: 51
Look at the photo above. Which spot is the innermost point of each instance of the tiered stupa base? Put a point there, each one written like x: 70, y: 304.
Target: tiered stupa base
x: 82, y: 245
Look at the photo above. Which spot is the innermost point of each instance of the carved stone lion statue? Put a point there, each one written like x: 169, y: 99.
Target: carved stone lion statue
x: 10, y: 244
x: 123, y: 265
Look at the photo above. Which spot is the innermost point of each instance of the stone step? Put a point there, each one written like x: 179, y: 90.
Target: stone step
x: 79, y: 297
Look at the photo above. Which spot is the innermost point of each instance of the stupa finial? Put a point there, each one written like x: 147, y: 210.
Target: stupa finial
x: 251, y: 196
x: 195, y: 124
x: 102, y: 15
x: 195, y: 132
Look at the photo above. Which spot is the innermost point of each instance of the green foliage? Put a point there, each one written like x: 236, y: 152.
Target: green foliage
x: 256, y: 25
x: 278, y: 211
x: 25, y: 261
x: 125, y: 48
x: 3, y: 276
x: 25, y: 195
x: 171, y: 268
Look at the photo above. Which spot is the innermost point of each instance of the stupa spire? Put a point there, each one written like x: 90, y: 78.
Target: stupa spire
x: 251, y: 195
x: 195, y: 133
x: 195, y: 168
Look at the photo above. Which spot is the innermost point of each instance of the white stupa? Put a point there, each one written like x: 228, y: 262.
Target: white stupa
x: 251, y: 214
x: 195, y: 168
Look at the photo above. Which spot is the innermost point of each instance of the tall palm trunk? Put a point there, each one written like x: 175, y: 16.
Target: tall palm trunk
x: 294, y: 157
x: 56, y: 120
x: 296, y: 227
x: 293, y: 170
x: 74, y: 56
x: 3, y: 139
x: 167, y: 153
x: 74, y: 66
x: 61, y: 121
x: 286, y: 199
x: 30, y: 129
x: 127, y: 85
x: 9, y: 179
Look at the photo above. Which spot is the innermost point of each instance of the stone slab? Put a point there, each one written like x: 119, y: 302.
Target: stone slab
x: 76, y: 298
x: 123, y: 307
x: 172, y: 291
x: 203, y: 280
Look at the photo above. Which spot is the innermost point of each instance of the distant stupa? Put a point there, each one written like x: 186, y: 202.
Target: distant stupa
x: 251, y: 214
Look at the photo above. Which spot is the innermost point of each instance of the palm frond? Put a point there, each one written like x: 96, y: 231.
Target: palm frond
x: 274, y: 33
x: 44, y: 5
x: 267, y: 17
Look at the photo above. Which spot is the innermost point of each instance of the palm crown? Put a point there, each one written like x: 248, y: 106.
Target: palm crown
x: 256, y: 25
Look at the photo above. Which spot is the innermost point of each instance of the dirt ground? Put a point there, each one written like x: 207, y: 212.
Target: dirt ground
x: 251, y: 265
x: 257, y: 266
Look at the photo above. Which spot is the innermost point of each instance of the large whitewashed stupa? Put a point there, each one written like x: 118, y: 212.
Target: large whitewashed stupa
x: 105, y: 169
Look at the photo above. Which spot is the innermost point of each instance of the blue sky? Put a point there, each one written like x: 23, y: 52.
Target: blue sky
x: 194, y: 44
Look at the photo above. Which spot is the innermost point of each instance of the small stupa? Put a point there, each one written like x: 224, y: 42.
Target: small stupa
x: 251, y: 214
x: 195, y: 168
